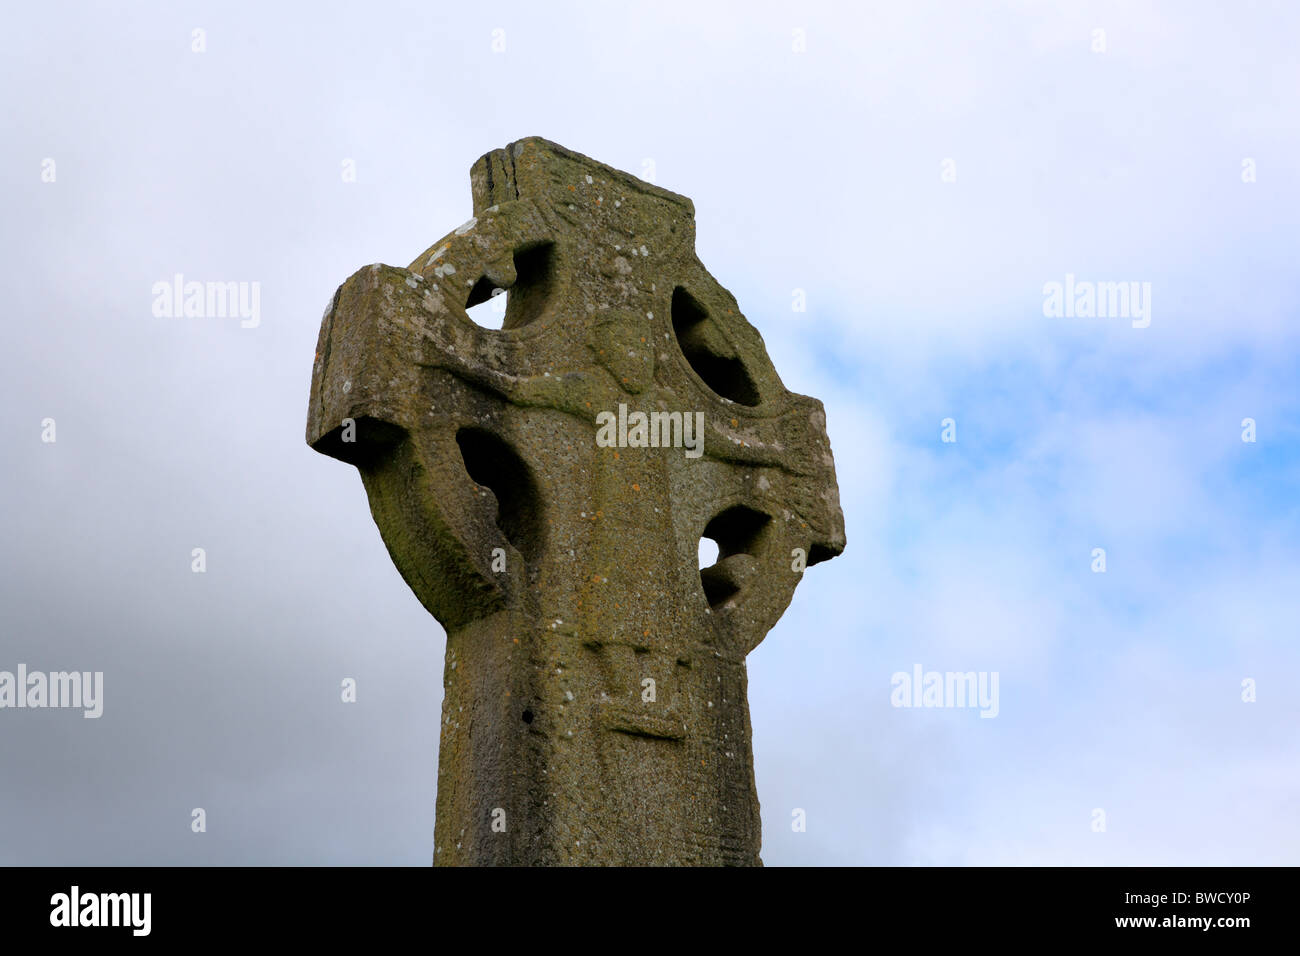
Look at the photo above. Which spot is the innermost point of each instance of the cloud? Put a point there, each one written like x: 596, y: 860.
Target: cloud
x: 818, y: 171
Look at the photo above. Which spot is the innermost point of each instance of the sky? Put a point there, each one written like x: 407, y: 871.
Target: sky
x: 917, y: 174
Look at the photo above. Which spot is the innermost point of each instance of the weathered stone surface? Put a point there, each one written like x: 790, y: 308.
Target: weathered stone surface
x: 595, y: 707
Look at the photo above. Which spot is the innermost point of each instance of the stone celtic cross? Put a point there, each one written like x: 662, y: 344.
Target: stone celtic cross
x: 543, y: 489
